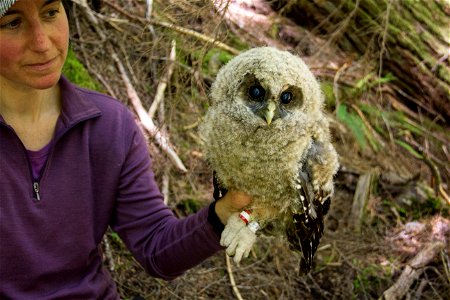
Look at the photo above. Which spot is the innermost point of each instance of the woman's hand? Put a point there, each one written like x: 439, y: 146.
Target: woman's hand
x: 232, y: 202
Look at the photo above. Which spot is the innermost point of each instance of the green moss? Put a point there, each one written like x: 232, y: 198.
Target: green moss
x: 75, y: 71
x: 189, y: 206
x: 371, y: 81
x: 214, y: 59
x: 330, y: 99
x: 430, y: 207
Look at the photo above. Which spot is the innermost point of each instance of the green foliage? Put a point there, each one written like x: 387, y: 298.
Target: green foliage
x: 214, y: 59
x: 75, y: 71
x: 370, y: 282
x: 189, y: 206
x: 409, y: 148
x: 417, y: 203
x: 354, y: 122
x: 330, y: 99
x: 429, y: 207
x: 370, y: 81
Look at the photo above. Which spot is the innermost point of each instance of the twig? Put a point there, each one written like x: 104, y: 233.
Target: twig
x: 86, y: 60
x: 446, y: 264
x: 418, y: 293
x: 230, y: 274
x: 412, y: 271
x: 383, y: 40
x: 322, y: 292
x: 440, y: 61
x: 148, y: 11
x: 423, y: 156
x: 108, y: 254
x: 177, y: 28
x: 159, y: 96
x: 341, y: 30
x: 148, y: 16
x: 336, y: 85
x: 146, y: 121
x: 91, y: 17
x: 165, y: 185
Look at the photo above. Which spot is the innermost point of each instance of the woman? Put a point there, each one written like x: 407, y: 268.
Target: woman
x: 72, y: 163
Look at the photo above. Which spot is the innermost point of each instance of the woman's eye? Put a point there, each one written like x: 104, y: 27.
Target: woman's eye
x: 12, y: 24
x: 52, y: 13
x: 256, y: 92
x: 286, y: 97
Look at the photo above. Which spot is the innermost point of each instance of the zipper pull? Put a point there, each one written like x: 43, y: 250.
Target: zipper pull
x: 36, y: 190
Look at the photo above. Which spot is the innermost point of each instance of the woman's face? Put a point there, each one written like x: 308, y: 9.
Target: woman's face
x: 34, y: 37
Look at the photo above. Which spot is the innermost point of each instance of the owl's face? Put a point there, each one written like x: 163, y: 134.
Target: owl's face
x: 267, y: 87
x: 268, y: 101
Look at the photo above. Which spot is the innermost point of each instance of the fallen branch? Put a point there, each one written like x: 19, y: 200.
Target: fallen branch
x: 233, y: 283
x: 145, y: 119
x: 159, y: 96
x: 412, y: 271
x: 149, y: 8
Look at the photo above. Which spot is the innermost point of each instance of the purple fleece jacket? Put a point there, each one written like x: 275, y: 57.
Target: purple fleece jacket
x: 98, y: 174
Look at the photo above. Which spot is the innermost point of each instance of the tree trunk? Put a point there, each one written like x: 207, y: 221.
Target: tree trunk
x: 410, y: 38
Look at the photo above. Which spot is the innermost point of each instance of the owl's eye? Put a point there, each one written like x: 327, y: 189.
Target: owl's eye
x: 286, y: 97
x: 256, y: 92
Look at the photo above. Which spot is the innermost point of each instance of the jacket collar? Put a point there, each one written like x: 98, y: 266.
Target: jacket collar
x: 75, y: 106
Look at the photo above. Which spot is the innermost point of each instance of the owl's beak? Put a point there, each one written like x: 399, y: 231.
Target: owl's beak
x: 270, y: 112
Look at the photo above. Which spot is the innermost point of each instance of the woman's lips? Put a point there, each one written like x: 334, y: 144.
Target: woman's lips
x: 43, y: 66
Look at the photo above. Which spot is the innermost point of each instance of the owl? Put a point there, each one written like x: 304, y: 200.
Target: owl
x: 265, y: 133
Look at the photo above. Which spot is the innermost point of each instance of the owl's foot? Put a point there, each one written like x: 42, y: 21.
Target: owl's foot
x: 238, y: 238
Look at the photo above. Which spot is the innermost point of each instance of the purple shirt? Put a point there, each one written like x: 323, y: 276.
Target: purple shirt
x: 38, y: 159
x: 98, y: 174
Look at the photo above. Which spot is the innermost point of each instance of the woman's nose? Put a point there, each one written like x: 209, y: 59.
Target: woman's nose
x: 39, y: 40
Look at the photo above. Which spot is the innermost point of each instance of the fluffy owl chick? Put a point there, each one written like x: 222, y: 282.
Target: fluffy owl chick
x: 266, y: 135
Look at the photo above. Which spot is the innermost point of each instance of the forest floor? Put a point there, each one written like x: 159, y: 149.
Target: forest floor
x: 388, y: 229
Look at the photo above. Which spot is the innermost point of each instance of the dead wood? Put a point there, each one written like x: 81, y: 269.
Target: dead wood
x: 159, y: 96
x: 363, y: 191
x: 145, y: 119
x: 412, y: 271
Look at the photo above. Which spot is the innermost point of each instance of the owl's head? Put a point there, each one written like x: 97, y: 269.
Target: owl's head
x: 268, y: 83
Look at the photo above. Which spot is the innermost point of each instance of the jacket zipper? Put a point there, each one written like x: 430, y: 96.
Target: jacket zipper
x: 35, y: 182
x: 36, y: 190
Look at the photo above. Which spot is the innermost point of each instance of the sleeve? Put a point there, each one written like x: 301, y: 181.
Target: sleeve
x: 163, y: 244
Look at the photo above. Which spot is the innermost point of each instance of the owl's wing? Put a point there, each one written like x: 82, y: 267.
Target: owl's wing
x: 305, y: 228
